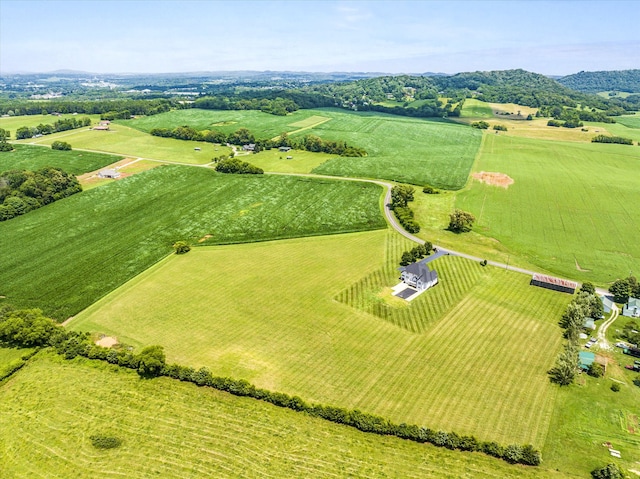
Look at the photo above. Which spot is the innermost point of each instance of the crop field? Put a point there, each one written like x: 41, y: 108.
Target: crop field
x: 126, y: 141
x: 65, y: 256
x: 411, y: 150
x: 572, y: 209
x: 266, y: 312
x: 12, y: 123
x: 35, y: 157
x: 176, y: 430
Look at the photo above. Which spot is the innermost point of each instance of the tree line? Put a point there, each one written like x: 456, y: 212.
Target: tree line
x: 63, y: 124
x: 585, y: 305
x: 30, y: 328
x: 612, y: 139
x: 401, y: 195
x: 22, y: 191
x: 243, y: 136
x: 87, y: 107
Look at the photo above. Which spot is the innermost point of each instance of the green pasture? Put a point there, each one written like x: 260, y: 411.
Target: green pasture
x: 413, y: 150
x: 126, y: 141
x: 12, y: 123
x: 630, y: 121
x: 66, y: 255
x: 267, y: 312
x: 10, y: 356
x: 169, y: 429
x: 572, y: 209
x: 588, y: 415
x: 34, y: 157
x: 473, y: 108
x: 277, y: 162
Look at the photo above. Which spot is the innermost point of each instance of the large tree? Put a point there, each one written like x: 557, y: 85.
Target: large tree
x: 461, y: 221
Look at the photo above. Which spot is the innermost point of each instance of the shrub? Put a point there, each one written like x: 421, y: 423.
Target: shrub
x: 61, y: 145
x: 4, y: 146
x: 481, y: 125
x: 430, y: 190
x: 499, y: 127
x: 460, y: 221
x: 610, y: 471
x: 181, y: 247
x: 483, y: 262
x: 235, y: 165
x: 636, y: 381
x: 105, y: 442
x: 612, y: 139
x: 596, y: 370
x: 615, y: 387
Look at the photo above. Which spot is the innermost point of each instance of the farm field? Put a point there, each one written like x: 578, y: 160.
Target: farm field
x: 34, y: 157
x: 126, y: 141
x: 572, y: 209
x: 277, y: 162
x: 12, y: 123
x: 176, y: 430
x: 261, y: 317
x: 411, y: 150
x: 76, y: 250
x: 473, y: 108
x: 630, y: 121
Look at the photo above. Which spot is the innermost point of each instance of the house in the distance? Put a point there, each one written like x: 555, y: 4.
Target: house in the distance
x: 109, y: 174
x: 249, y: 147
x: 607, y: 304
x: 632, y: 308
x: 103, y: 125
x: 419, y: 276
x: 284, y: 149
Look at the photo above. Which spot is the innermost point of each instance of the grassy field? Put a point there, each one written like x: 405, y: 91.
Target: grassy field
x: 34, y: 157
x: 49, y: 410
x: 572, y: 209
x: 412, y: 150
x: 266, y: 312
x: 473, y: 108
x: 630, y: 121
x: 276, y: 161
x: 12, y: 123
x: 9, y: 356
x: 65, y: 256
x: 126, y: 141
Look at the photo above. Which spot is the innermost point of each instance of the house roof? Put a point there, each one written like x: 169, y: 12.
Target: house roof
x: 421, y: 270
x: 586, y: 358
x: 543, y: 278
x: 633, y: 303
x: 607, y: 302
x: 589, y: 323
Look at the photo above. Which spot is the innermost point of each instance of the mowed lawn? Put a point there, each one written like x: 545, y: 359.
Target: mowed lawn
x: 266, y: 312
x: 573, y: 208
x: 126, y: 141
x: 412, y: 150
x: 64, y: 256
x: 25, y: 157
x: 169, y: 429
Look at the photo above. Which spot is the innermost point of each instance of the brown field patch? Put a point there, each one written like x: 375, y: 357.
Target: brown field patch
x: 107, y: 341
x: 204, y: 238
x: 494, y: 179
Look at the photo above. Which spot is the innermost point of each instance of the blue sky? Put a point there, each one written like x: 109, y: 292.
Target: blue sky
x: 554, y: 38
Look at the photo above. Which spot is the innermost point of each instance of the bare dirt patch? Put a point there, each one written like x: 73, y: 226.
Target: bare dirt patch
x: 107, y: 341
x: 204, y: 238
x: 494, y: 179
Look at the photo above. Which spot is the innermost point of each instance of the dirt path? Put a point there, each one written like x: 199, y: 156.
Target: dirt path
x: 602, y: 331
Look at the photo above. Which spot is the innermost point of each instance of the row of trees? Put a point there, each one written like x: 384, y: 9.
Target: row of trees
x: 22, y: 191
x: 87, y: 107
x: 585, y: 305
x: 235, y: 165
x: 243, y: 136
x: 612, y: 139
x: 29, y: 328
x: 65, y: 124
x: 401, y: 195
x: 276, y: 106
x: 416, y: 253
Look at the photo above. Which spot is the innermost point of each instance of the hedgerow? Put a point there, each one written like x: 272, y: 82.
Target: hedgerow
x: 30, y: 328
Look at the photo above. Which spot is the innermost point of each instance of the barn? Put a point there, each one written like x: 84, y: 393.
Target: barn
x: 555, y: 284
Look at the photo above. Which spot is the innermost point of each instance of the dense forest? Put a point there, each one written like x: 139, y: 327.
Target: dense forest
x: 593, y: 82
